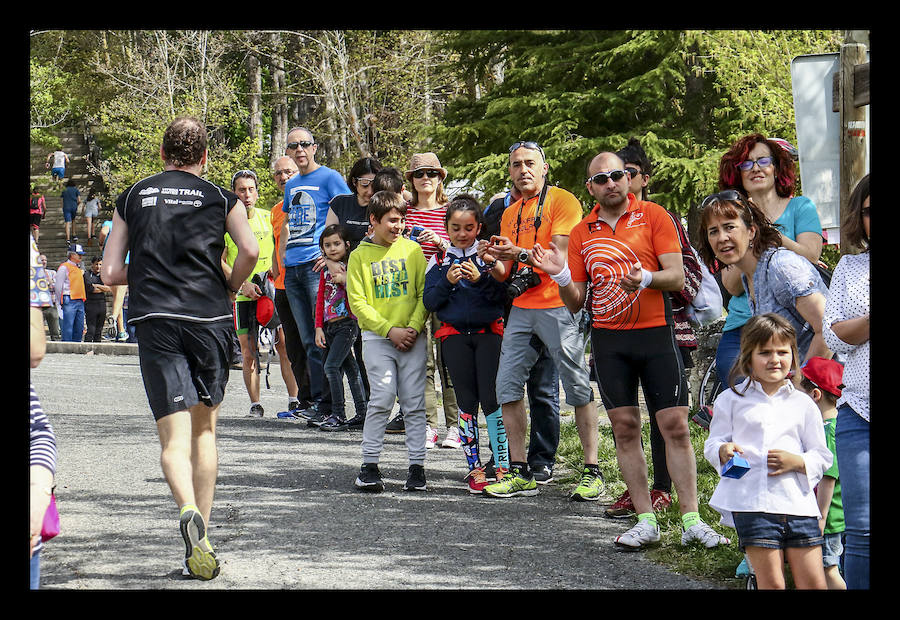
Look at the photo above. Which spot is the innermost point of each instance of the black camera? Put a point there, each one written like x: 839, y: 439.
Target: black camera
x: 521, y: 281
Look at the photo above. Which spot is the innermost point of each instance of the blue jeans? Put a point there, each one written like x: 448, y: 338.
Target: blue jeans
x: 852, y: 446
x: 301, y: 284
x: 35, y: 579
x: 72, y: 326
x: 339, y: 360
x: 727, y: 353
x: 543, y: 402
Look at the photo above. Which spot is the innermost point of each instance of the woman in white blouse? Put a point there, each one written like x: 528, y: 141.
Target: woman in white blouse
x: 846, y: 332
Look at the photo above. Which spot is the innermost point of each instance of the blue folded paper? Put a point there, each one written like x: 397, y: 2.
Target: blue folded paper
x: 736, y: 467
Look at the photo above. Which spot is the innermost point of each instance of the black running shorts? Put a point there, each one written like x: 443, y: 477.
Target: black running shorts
x: 625, y: 359
x: 183, y: 363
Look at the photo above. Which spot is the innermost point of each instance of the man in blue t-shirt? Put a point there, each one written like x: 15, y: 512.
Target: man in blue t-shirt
x: 306, y: 198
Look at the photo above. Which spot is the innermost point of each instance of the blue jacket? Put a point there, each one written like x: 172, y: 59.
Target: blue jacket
x: 465, y: 305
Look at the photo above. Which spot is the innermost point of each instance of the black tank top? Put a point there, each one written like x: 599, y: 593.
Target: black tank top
x: 176, y: 236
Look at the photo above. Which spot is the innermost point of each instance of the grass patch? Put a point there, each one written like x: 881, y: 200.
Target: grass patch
x: 710, y: 564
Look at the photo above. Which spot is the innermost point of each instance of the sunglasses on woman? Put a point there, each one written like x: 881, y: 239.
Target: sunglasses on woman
x: 431, y: 173
x: 762, y: 162
x: 602, y: 177
x: 364, y: 182
x: 729, y: 195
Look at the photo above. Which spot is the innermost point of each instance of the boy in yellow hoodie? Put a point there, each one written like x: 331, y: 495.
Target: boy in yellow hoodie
x: 385, y: 284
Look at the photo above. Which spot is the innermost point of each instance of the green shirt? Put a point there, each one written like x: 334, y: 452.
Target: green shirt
x: 261, y: 226
x: 385, y: 286
x: 834, y: 521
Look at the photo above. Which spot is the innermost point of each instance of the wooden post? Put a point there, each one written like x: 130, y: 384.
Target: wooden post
x: 853, y: 124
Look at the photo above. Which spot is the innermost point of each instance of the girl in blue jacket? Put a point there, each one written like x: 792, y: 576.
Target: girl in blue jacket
x: 469, y: 298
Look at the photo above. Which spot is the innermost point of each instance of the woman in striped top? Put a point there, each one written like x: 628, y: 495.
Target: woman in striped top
x: 428, y: 208
x: 43, y: 440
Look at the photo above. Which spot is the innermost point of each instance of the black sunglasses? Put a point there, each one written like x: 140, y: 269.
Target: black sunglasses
x: 729, y: 195
x: 431, y: 173
x: 602, y: 177
x: 243, y: 173
x: 528, y: 144
x: 634, y: 172
x: 304, y: 144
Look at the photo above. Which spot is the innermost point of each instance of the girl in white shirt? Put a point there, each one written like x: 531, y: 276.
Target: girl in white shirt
x: 778, y: 430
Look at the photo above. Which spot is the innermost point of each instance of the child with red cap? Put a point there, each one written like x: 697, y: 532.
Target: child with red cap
x: 822, y: 380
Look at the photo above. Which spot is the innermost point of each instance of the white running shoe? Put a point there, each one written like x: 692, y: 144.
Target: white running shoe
x: 431, y: 437
x: 452, y: 438
x: 642, y: 534
x: 703, y: 533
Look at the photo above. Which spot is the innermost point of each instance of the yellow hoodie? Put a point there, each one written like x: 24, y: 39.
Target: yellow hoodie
x: 385, y: 286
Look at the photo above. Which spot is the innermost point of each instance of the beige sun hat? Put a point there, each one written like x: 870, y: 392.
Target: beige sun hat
x: 427, y: 161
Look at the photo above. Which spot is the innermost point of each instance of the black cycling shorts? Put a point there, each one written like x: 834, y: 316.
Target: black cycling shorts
x: 623, y: 359
x: 183, y: 363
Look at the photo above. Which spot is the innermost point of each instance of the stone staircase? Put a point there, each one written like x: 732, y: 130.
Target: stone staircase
x: 52, y: 241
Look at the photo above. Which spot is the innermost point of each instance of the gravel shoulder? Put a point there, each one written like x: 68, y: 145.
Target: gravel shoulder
x: 286, y: 513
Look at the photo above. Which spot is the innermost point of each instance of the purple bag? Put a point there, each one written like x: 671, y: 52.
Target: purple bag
x: 51, y: 521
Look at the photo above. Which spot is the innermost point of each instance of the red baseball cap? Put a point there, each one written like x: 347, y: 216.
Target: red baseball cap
x: 828, y: 375
x: 265, y: 309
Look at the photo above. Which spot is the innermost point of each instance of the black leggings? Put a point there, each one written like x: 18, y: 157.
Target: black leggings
x: 472, y: 360
x: 95, y: 318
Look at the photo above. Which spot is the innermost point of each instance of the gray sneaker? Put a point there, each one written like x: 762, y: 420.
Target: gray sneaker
x: 703, y: 533
x: 643, y: 534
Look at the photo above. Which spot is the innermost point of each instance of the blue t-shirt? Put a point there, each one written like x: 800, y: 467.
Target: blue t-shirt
x: 799, y: 216
x: 70, y: 197
x: 306, y: 198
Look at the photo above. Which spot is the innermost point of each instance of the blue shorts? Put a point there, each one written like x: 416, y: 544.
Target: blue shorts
x: 57, y: 173
x: 776, y: 531
x: 70, y: 213
x: 832, y: 550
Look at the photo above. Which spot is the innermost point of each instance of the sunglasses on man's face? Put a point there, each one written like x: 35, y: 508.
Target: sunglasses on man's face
x: 602, y: 177
x: 431, y: 173
x: 748, y: 164
x: 528, y: 144
x: 304, y: 144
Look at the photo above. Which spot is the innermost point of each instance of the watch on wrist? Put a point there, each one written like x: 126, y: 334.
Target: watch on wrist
x: 522, y: 256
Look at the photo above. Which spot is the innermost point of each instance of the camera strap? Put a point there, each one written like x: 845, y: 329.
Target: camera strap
x: 539, y: 211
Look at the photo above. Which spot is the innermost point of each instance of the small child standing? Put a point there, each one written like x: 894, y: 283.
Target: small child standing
x: 337, y: 331
x: 469, y: 302
x: 778, y: 430
x: 385, y: 283
x: 822, y: 380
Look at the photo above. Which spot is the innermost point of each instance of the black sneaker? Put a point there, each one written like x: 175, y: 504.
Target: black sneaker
x: 303, y: 413
x: 703, y: 417
x: 542, y: 474
x: 256, y: 411
x: 317, y: 419
x: 356, y: 422
x: 333, y: 423
x: 294, y: 405
x: 416, y: 479
x: 369, y: 478
x: 396, y: 425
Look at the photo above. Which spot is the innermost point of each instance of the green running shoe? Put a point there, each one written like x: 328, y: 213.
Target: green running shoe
x: 590, y: 488
x: 199, y: 556
x: 512, y: 484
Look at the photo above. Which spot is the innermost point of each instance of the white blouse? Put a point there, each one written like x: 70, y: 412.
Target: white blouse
x: 848, y: 299
x: 788, y: 420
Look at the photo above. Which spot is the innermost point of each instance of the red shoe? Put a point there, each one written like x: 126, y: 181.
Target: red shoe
x: 660, y: 500
x: 477, y: 480
x: 622, y: 508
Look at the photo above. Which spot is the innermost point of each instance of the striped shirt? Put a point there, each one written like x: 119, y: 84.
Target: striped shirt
x: 432, y: 219
x: 43, y: 441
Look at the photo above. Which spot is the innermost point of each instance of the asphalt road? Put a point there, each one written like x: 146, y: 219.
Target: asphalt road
x: 286, y: 513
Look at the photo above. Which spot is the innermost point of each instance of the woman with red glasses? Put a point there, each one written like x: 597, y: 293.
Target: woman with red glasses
x: 763, y: 170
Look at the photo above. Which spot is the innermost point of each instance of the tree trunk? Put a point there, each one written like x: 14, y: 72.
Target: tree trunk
x: 254, y: 85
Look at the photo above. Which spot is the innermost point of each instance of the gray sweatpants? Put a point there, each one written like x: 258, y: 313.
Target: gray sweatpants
x: 395, y: 374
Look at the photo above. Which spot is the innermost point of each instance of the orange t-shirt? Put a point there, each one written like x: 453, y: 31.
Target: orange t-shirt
x: 603, y: 256
x: 562, y: 211
x: 277, y: 219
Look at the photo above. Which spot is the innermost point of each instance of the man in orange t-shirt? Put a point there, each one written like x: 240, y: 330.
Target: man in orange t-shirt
x: 539, y: 311
x: 285, y: 168
x: 630, y: 252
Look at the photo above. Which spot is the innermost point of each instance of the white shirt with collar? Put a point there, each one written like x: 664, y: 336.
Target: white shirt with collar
x: 788, y: 420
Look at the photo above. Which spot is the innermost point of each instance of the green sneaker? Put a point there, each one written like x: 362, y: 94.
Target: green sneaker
x: 511, y: 485
x: 199, y: 557
x: 590, y: 488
